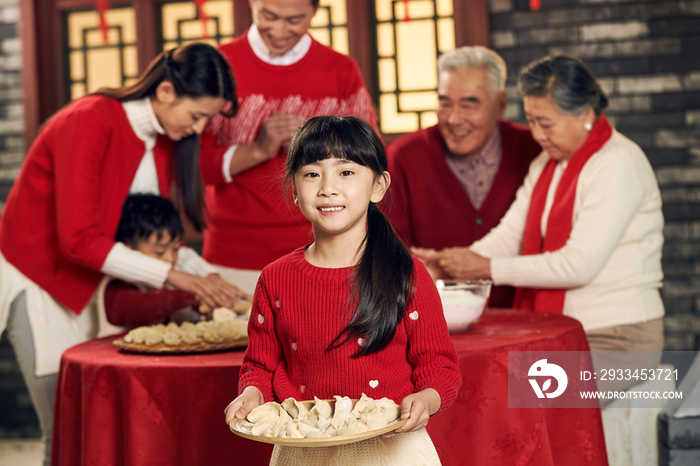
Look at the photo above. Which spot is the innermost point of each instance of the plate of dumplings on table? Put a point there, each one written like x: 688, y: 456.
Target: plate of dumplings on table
x: 319, y: 423
x: 227, y: 330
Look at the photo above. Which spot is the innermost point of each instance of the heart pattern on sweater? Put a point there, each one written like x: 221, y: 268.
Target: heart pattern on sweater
x: 374, y: 383
x: 413, y: 315
x: 261, y: 318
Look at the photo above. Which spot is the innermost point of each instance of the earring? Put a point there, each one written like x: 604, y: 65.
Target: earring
x: 588, y: 126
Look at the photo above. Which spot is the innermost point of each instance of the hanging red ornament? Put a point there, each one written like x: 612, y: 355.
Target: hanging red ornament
x: 202, y: 17
x: 406, y: 18
x: 102, y: 7
x: 535, y: 5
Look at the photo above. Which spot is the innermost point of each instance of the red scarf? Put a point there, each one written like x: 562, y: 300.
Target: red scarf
x: 559, y: 223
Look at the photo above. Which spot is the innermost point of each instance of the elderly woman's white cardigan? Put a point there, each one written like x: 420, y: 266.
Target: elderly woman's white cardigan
x: 611, y: 264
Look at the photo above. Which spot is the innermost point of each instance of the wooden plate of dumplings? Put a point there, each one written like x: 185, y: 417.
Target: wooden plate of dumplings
x: 317, y: 423
x: 226, y: 331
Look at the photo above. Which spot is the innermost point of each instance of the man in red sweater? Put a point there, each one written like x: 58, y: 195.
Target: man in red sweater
x: 284, y: 77
x: 453, y: 182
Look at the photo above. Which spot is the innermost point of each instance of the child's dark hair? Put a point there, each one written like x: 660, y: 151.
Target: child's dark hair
x: 382, y: 281
x: 145, y: 214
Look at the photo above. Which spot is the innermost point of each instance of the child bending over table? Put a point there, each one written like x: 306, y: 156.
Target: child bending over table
x: 151, y: 224
x: 352, y: 312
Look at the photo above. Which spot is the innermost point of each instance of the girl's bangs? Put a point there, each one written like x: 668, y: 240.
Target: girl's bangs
x: 336, y: 144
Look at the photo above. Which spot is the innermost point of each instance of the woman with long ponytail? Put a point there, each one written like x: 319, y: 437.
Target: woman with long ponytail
x: 58, y: 224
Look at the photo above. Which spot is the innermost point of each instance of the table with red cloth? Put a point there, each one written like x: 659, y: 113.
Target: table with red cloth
x: 115, y: 408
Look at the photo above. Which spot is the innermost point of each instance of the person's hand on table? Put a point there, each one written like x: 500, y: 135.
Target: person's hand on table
x: 232, y: 290
x: 463, y: 263
x: 418, y: 408
x: 244, y: 403
x: 210, y: 290
x: 276, y: 131
x: 429, y: 259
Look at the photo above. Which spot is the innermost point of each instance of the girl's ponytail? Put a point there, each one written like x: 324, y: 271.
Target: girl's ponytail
x: 382, y: 286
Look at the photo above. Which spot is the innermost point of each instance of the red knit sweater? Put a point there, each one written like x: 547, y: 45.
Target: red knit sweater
x: 427, y: 204
x: 298, y: 309
x: 250, y: 222
x: 60, y: 218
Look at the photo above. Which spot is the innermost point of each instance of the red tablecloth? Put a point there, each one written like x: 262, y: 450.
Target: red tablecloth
x: 115, y: 408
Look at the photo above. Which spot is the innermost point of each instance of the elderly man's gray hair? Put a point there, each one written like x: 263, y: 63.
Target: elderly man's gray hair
x: 476, y: 57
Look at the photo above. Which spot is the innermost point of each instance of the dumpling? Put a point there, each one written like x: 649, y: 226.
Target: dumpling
x: 343, y: 411
x: 320, y: 414
x: 212, y: 336
x: 153, y: 336
x: 268, y: 427
x: 296, y: 409
x: 173, y: 327
x: 380, y: 413
x: 137, y: 335
x: 190, y: 337
x: 307, y: 430
x: 221, y: 314
x: 361, y: 404
x: 353, y: 426
x: 172, y: 338
x: 291, y: 431
x: 232, y: 329
x: 266, y: 410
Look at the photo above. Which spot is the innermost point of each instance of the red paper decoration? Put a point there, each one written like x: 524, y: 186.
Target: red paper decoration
x: 202, y: 17
x: 102, y: 7
x: 535, y: 5
x: 405, y: 9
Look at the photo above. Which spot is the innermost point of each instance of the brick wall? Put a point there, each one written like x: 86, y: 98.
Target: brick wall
x: 645, y: 54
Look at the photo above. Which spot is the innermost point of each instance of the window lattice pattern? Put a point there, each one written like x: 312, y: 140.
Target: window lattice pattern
x: 92, y: 63
x: 410, y: 37
x: 181, y: 23
x: 329, y: 26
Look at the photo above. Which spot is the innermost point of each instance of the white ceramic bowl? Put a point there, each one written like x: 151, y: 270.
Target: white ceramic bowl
x: 463, y: 302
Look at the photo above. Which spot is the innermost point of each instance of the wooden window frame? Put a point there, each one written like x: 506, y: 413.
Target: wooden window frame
x: 42, y: 44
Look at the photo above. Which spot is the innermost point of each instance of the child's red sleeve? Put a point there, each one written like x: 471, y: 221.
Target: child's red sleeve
x: 128, y: 306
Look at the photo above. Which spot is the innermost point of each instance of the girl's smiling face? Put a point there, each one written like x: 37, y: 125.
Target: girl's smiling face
x: 334, y: 195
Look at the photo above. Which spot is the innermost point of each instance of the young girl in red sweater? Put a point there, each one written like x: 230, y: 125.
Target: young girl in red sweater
x: 352, y: 312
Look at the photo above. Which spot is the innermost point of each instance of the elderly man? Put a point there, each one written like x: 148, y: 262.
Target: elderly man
x: 284, y: 77
x: 454, y: 181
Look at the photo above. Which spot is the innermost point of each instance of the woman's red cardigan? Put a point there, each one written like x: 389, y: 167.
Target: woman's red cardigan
x: 60, y: 218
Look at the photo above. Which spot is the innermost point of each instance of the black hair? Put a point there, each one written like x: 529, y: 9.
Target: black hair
x: 145, y: 214
x: 195, y: 70
x: 568, y: 80
x: 382, y: 282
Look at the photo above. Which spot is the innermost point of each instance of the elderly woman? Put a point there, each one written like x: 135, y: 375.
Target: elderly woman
x: 584, y: 234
